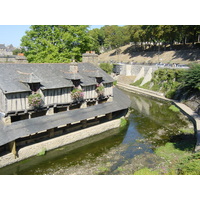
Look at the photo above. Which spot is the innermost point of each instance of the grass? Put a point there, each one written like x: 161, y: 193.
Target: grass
x: 175, y: 161
x: 170, y: 153
x: 138, y: 82
x: 190, y: 165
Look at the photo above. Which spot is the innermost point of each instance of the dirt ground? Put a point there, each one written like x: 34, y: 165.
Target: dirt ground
x: 170, y: 57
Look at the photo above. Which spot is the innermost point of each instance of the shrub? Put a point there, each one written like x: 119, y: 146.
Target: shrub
x: 35, y: 100
x: 108, y: 68
x: 170, y: 94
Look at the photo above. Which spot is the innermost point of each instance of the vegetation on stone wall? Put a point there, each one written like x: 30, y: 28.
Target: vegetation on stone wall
x: 172, y: 82
x: 123, y: 122
x: 138, y: 82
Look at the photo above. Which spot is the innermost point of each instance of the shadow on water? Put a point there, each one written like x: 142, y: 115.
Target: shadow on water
x: 151, y: 124
x: 184, y: 142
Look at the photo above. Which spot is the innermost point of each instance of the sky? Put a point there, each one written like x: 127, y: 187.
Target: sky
x: 12, y: 34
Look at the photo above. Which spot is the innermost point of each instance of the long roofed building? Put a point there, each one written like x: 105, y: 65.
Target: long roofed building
x: 39, y: 102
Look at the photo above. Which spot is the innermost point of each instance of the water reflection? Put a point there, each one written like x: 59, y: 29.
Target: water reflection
x: 154, y: 120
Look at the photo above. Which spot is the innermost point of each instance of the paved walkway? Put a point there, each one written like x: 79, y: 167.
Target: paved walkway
x: 194, y: 117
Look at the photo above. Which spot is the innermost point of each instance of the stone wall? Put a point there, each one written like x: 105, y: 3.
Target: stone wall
x: 53, y: 143
x: 13, y: 59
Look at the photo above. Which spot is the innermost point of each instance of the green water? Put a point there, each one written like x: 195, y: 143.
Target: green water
x: 120, y: 151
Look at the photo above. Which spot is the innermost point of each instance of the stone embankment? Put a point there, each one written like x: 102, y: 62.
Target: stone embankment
x: 193, y: 116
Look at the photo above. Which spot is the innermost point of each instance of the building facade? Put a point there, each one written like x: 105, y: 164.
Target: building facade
x: 6, y: 55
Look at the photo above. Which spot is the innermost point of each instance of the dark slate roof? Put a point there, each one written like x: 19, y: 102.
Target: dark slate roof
x: 13, y: 76
x: 27, y: 127
x: 10, y: 47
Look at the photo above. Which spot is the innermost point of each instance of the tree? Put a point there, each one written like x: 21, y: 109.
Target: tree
x: 113, y: 36
x: 56, y: 43
x: 98, y: 37
x: 16, y: 51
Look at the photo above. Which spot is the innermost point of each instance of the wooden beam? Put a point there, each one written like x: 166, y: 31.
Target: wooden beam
x: 12, y: 146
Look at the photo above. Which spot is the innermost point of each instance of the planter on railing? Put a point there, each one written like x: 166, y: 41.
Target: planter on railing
x: 35, y: 100
x: 77, y: 94
x: 100, y: 90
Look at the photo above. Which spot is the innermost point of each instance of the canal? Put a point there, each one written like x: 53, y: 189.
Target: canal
x: 120, y: 151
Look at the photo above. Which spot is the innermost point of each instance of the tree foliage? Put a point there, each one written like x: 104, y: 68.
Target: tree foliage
x: 16, y: 51
x: 113, y: 36
x: 56, y: 43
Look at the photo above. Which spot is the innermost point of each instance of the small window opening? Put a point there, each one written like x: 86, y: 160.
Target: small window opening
x: 34, y: 86
x: 76, y: 82
x: 99, y: 80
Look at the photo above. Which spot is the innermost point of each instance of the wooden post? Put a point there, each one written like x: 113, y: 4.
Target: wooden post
x: 109, y: 116
x: 51, y: 132
x: 110, y: 99
x: 12, y: 146
x: 29, y: 115
x: 84, y: 123
x: 84, y: 105
x: 7, y: 120
x: 50, y: 111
